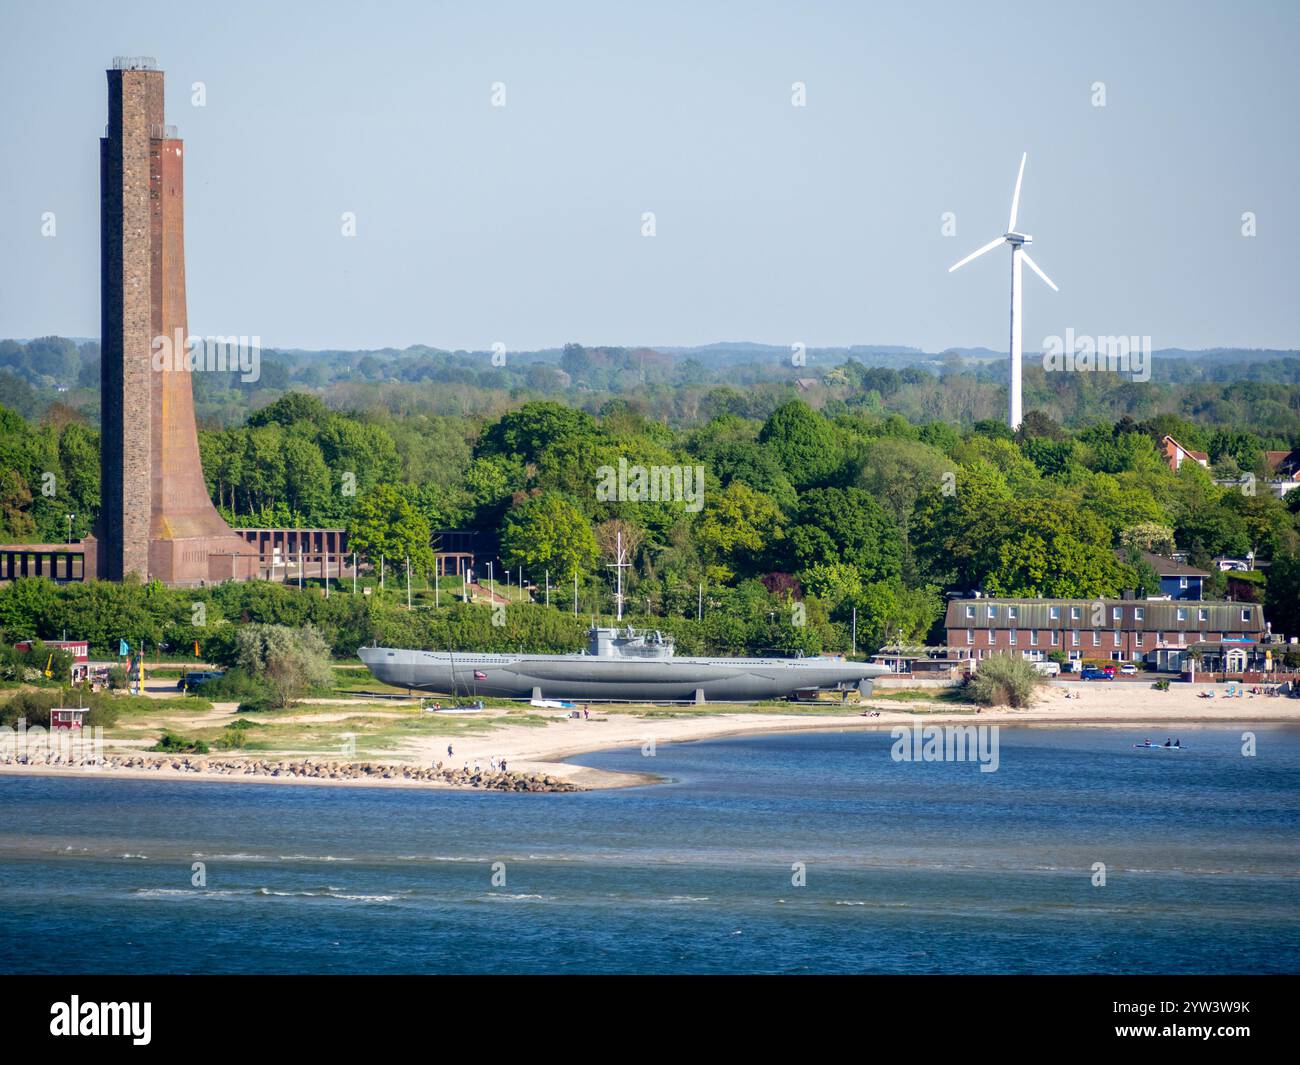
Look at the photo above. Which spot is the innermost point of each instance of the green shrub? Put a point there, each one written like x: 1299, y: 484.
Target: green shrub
x: 30, y: 666
x: 236, y: 685
x: 232, y: 739
x: 1004, y: 680
x: 171, y: 743
x: 1162, y: 685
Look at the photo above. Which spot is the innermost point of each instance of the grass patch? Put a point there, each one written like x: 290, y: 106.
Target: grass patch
x: 137, y: 705
x: 931, y: 695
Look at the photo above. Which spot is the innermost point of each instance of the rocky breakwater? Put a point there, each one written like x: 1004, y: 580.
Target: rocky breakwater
x: 352, y: 772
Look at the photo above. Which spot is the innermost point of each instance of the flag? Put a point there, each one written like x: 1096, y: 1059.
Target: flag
x: 123, y: 649
x: 479, y: 675
x: 196, y: 648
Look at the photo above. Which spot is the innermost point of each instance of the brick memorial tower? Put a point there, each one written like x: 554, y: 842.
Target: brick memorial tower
x: 156, y: 519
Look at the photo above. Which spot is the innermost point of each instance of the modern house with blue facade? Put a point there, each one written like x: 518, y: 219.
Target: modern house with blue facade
x: 1177, y: 579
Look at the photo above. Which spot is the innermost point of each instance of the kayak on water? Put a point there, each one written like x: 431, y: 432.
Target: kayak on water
x: 1159, y: 747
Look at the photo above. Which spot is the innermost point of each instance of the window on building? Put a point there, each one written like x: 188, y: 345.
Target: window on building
x: 1182, y: 613
x: 991, y: 612
x: 1137, y: 639
x: 1074, y: 637
x: 1056, y: 637
x: 1182, y: 639
x: 1116, y: 613
x: 970, y: 635
x: 1013, y: 613
x: 1115, y: 637
x: 1245, y: 615
x: 1054, y: 612
x: 970, y: 612
x: 1182, y: 582
x: 1075, y: 613
x: 1096, y: 638
x: 1012, y: 637
x: 1139, y: 613
x: 1202, y: 615
x: 990, y: 632
x: 1033, y: 636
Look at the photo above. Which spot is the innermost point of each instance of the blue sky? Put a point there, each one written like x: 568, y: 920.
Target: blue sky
x: 819, y: 224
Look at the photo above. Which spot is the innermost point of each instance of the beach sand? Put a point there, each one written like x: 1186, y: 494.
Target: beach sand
x: 535, y: 749
x: 1103, y: 704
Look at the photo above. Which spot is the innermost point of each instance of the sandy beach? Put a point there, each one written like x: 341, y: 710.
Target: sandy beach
x: 540, y: 747
x: 1100, y: 705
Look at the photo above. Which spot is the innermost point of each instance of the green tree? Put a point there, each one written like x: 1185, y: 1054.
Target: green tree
x: 292, y: 661
x: 307, y: 484
x: 546, y: 531
x: 737, y: 530
x: 1282, y: 595
x: 532, y: 428
x: 846, y: 524
x: 891, y: 612
x: 804, y: 442
x: 385, y: 524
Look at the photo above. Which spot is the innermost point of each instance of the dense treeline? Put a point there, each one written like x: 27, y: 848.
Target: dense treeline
x: 846, y: 510
x: 851, y: 514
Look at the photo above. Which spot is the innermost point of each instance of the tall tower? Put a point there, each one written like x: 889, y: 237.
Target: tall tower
x: 156, y: 519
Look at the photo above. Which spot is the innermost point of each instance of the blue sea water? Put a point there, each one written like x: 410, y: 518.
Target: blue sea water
x: 909, y: 867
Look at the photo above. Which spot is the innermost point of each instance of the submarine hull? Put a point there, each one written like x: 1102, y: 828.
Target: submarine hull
x: 591, y: 677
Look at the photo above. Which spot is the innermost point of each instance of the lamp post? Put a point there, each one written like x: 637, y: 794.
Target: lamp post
x: 70, y: 517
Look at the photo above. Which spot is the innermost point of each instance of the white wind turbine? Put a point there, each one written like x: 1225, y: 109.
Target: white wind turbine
x: 1018, y: 254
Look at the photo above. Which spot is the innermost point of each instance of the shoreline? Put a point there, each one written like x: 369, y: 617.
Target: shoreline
x: 537, y: 755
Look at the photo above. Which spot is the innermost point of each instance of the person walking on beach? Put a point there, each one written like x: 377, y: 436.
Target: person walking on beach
x: 586, y: 714
x: 449, y: 751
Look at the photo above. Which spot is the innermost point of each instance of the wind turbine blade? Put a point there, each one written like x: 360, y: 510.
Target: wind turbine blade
x: 1015, y: 199
x: 978, y: 252
x: 1038, y: 270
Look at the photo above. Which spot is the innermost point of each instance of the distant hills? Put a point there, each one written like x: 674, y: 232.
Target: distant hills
x: 736, y: 350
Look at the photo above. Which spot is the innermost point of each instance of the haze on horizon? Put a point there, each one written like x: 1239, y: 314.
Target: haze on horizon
x: 777, y: 224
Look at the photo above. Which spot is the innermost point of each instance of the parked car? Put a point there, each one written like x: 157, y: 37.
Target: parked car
x: 190, y: 681
x: 1048, y: 669
x: 1093, y: 673
x: 1128, y: 669
x: 1109, y: 671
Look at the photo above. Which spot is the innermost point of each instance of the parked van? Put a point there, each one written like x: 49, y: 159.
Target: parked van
x: 1048, y: 669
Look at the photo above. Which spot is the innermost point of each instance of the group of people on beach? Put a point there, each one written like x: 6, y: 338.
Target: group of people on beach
x: 496, y: 763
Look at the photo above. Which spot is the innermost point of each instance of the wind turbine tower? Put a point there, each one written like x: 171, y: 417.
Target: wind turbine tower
x: 1017, y: 240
